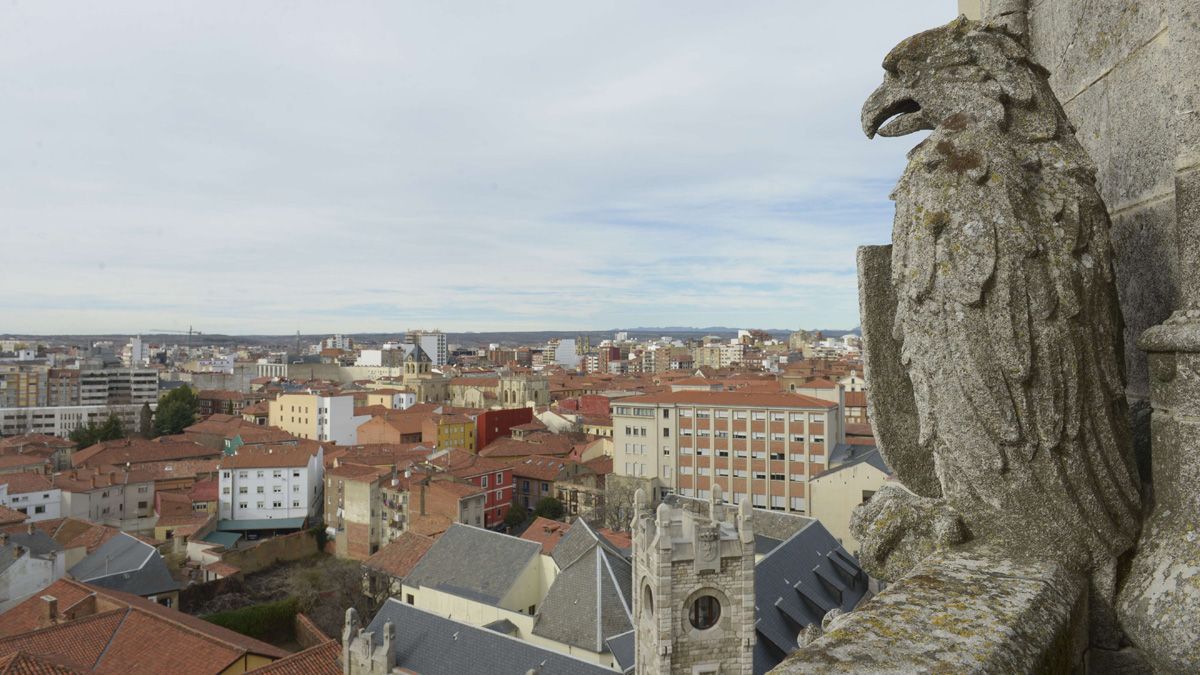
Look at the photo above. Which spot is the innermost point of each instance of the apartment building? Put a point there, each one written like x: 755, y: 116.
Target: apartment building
x: 271, y: 482
x: 118, y: 386
x: 317, y: 417
x: 433, y: 342
x: 23, y: 384
x: 121, y: 499
x: 32, y: 494
x: 62, y: 420
x: 761, y: 446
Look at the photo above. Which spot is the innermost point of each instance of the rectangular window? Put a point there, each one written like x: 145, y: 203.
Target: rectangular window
x: 277, y: 505
x: 797, y: 417
x: 242, y: 505
x: 776, y: 417
x: 722, y: 472
x: 760, y: 475
x: 703, y: 414
x: 758, y: 416
x: 722, y: 414
x: 225, y: 474
x: 277, y: 489
x: 776, y: 455
x: 262, y: 474
x: 796, y: 458
x: 225, y: 490
x: 740, y: 435
x: 685, y: 450
x: 295, y: 474
x: 778, y: 476
x: 722, y: 434
x: 686, y: 432
x: 666, y: 414
x: 260, y: 504
x: 759, y: 501
x: 259, y: 489
x: 483, y: 482
x: 739, y: 414
x: 778, y: 437
x: 685, y: 471
x: 739, y: 473
x: 797, y: 478
x: 797, y: 438
x: 797, y: 503
x: 722, y: 453
x: 687, y: 412
x: 243, y: 490
x: 277, y: 473
x: 666, y: 433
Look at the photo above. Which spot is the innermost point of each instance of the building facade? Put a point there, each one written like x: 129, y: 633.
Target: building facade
x: 758, y: 446
x: 263, y: 483
x: 317, y: 417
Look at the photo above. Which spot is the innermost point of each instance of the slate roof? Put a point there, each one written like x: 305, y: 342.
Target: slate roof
x: 127, y: 564
x: 795, y: 585
x: 590, y: 599
x: 474, y: 563
x: 845, y: 455
x: 623, y: 650
x: 429, y: 644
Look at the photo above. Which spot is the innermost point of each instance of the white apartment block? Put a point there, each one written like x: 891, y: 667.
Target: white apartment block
x: 32, y: 494
x: 433, y: 342
x: 732, y: 353
x: 270, y: 483
x: 62, y: 420
x: 761, y: 446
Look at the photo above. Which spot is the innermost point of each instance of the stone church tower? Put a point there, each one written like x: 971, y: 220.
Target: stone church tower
x: 693, y: 596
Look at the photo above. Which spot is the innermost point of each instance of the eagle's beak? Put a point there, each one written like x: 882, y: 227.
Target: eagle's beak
x: 888, y: 102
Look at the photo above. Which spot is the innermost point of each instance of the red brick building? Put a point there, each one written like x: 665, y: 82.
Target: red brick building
x: 493, y: 424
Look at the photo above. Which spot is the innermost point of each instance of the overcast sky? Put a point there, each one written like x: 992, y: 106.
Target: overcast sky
x: 267, y: 167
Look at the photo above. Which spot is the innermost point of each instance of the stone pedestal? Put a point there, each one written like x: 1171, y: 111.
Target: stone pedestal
x: 1160, y: 601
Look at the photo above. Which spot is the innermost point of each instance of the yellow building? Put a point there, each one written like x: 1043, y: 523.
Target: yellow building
x: 317, y: 417
x: 833, y: 494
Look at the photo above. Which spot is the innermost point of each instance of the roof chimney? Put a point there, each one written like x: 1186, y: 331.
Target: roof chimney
x: 49, y: 609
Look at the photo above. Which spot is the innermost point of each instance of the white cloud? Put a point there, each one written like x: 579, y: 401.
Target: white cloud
x: 273, y: 166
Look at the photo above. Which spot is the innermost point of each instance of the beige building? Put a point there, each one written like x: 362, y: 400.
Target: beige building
x: 317, y: 417
x: 761, y: 446
x: 832, y: 495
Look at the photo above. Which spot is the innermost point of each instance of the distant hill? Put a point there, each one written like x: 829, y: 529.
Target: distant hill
x: 468, y: 339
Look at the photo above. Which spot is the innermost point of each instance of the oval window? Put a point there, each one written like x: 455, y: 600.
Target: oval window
x: 704, y: 612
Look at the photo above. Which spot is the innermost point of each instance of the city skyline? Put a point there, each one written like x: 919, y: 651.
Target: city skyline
x: 283, y: 168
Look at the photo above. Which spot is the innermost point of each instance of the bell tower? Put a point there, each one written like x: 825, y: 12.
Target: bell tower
x: 693, y: 600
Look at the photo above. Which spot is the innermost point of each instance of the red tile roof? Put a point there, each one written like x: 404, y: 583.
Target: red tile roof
x: 137, y: 450
x: 19, y: 483
x: 401, y: 555
x: 21, y: 663
x: 30, y: 460
x: 11, y: 516
x: 120, y: 633
x: 545, y: 532
x: 323, y: 659
x: 733, y: 399
x: 268, y: 457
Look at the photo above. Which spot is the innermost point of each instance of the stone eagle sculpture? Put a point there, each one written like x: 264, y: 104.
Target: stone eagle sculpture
x: 1001, y: 332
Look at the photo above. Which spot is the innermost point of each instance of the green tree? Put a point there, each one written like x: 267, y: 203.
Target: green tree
x: 515, y: 516
x: 176, y: 411
x: 92, y: 433
x: 548, y: 507
x: 146, y: 421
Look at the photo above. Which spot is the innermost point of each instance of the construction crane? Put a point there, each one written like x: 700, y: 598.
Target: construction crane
x: 171, y: 331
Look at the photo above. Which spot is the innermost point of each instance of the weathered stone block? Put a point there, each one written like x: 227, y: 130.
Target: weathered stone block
x: 1147, y: 268
x: 965, y: 611
x: 1081, y: 41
